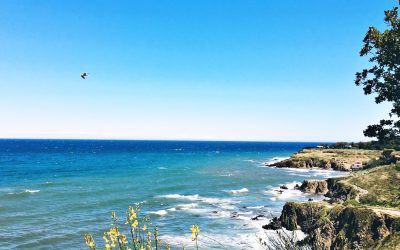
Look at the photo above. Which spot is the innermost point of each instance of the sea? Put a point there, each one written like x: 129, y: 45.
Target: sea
x: 52, y: 192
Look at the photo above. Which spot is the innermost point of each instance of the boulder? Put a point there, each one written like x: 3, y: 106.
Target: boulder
x: 275, y: 224
x: 314, y: 187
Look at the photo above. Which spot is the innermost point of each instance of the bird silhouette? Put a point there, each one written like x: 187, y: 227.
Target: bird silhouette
x: 84, y: 75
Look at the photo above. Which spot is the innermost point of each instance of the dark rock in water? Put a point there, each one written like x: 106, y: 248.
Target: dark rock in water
x: 297, y: 186
x: 310, y: 199
x: 279, y: 191
x: 283, y: 187
x: 214, y: 212
x: 244, y: 207
x: 234, y: 214
x: 257, y: 217
x: 275, y: 224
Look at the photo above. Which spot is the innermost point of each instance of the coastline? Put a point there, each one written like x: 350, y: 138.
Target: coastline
x: 328, y: 223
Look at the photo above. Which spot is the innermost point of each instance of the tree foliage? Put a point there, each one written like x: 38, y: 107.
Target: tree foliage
x: 383, y: 78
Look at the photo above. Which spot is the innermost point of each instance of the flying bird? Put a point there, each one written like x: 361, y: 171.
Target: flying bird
x: 84, y: 75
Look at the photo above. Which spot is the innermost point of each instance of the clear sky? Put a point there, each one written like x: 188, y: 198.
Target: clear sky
x: 206, y: 69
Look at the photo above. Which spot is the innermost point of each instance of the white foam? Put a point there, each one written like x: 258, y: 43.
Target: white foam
x: 187, y: 206
x: 252, y: 161
x: 291, y: 185
x: 270, y: 237
x: 178, y: 196
x: 159, y: 212
x: 237, y: 191
x: 212, y: 241
x: 31, y: 191
x: 291, y: 194
x: 255, y: 207
x: 315, y: 172
x: 225, y: 203
x: 226, y: 175
x: 275, y: 160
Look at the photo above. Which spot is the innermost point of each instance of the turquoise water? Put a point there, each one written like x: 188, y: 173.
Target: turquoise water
x: 54, y: 191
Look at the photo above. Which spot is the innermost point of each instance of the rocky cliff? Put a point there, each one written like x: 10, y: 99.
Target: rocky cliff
x: 314, y: 186
x: 336, y: 159
x: 341, y: 227
x: 363, y: 212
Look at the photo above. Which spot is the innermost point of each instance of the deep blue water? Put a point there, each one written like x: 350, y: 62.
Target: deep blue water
x: 54, y: 191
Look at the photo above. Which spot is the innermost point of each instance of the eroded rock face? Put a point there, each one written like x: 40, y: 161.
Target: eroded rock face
x: 274, y: 224
x: 307, y: 163
x: 314, y: 186
x: 338, y: 227
x: 340, y: 190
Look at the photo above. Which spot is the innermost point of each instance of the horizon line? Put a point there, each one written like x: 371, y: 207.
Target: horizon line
x: 177, y: 140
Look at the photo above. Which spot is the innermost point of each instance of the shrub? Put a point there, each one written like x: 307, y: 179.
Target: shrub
x: 351, y: 203
x: 139, y: 236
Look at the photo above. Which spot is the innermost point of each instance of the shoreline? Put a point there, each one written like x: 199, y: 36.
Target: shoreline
x: 324, y: 221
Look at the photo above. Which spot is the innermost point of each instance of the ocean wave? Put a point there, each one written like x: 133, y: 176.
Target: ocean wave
x: 187, y: 206
x: 196, y: 197
x: 202, y: 205
x: 32, y: 190
x: 179, y: 196
x: 237, y: 191
x: 252, y: 161
x: 291, y: 194
x: 242, y: 240
x: 315, y: 172
x: 275, y: 160
x: 159, y: 212
x: 268, y: 237
x: 225, y: 175
x: 255, y: 207
x: 178, y: 207
x: 26, y: 192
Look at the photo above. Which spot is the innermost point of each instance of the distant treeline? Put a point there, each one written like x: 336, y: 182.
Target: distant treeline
x: 392, y: 144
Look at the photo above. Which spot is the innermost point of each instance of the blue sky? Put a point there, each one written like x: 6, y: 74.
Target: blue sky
x: 207, y: 70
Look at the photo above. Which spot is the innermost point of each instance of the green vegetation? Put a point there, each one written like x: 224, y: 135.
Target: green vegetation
x: 139, y: 235
x: 342, y: 226
x: 383, y: 78
x: 381, y: 185
x: 371, y: 145
x: 338, y: 159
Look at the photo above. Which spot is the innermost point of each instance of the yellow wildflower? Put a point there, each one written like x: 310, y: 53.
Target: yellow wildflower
x: 195, y: 231
x: 135, y: 224
x: 113, y: 215
x: 90, y: 241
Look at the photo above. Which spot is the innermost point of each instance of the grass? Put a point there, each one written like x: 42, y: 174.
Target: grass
x: 345, y: 157
x: 381, y: 183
